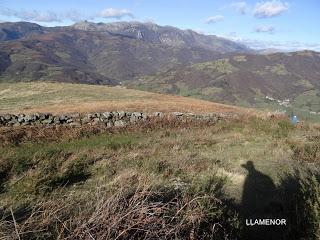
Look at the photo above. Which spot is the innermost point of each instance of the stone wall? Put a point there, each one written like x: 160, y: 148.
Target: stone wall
x: 109, y: 119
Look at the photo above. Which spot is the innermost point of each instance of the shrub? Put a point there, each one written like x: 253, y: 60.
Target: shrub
x: 308, y: 151
x: 284, y: 127
x: 301, y: 193
x: 308, y: 206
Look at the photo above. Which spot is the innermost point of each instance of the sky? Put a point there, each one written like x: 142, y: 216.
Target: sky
x: 284, y: 25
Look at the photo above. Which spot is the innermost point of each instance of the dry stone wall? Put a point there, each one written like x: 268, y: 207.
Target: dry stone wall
x: 109, y: 119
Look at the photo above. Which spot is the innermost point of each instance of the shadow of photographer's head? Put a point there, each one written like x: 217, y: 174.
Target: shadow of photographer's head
x: 249, y: 166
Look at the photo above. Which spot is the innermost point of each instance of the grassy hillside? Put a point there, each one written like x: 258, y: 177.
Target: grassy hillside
x: 62, y: 97
x: 246, y: 80
x: 166, y: 181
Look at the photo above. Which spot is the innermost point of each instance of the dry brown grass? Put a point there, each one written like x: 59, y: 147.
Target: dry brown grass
x: 141, y: 212
x: 62, y: 97
x: 166, y: 104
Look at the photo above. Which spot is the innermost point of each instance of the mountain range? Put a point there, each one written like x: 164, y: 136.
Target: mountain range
x: 101, y: 53
x: 159, y: 58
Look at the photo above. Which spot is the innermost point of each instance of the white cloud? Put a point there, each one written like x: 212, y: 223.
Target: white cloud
x: 72, y: 15
x: 115, y: 13
x: 32, y: 15
x: 214, y: 19
x: 149, y: 20
x: 75, y: 16
x: 241, y: 7
x: 270, y: 9
x: 200, y: 31
x: 283, y: 46
x: 47, y: 16
x: 264, y: 29
x: 44, y: 16
x: 233, y: 36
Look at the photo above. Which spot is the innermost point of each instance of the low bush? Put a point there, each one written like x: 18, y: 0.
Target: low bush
x: 308, y: 151
x: 284, y: 128
x: 301, y: 193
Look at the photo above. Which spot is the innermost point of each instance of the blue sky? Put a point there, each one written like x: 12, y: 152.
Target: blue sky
x: 288, y: 25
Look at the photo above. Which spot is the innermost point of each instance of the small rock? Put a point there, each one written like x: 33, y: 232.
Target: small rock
x: 56, y: 120
x: 62, y: 118
x: 70, y: 120
x: 177, y: 114
x: 75, y: 124
x: 110, y: 124
x: 20, y: 119
x: 7, y: 117
x: 85, y: 120
x: 120, y: 123
x: 145, y: 116
x: 122, y: 114
x: 47, y: 121
x: 74, y: 115
x: 27, y: 118
x: 107, y: 115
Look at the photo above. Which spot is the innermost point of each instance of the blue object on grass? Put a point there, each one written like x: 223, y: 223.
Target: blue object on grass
x: 294, y: 120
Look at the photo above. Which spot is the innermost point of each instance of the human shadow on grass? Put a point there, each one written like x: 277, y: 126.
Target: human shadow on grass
x: 260, y: 200
x: 296, y: 199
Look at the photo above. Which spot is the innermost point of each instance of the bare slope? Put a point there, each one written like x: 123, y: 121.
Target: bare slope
x: 64, y: 97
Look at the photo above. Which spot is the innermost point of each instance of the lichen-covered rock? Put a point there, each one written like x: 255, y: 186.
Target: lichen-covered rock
x: 158, y: 114
x: 75, y: 124
x: 28, y: 119
x: 107, y: 115
x: 177, y: 114
x: 74, y: 115
x: 7, y: 117
x: 137, y: 114
x: 120, y: 123
x: 20, y: 119
x: 110, y: 124
x: 56, y: 120
x: 70, y: 120
x: 122, y: 114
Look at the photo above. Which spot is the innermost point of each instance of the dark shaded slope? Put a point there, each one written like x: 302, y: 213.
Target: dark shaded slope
x: 49, y: 57
x: 12, y: 31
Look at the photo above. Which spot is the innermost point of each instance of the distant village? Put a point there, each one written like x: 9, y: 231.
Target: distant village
x: 286, y: 103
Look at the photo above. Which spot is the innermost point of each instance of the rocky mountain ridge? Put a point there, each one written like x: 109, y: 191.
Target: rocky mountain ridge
x: 167, y: 35
x: 101, y: 53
